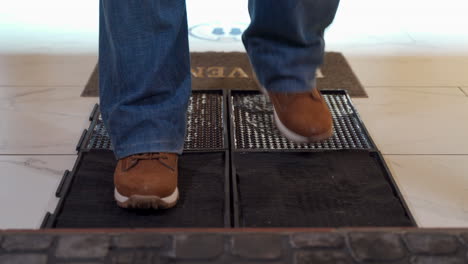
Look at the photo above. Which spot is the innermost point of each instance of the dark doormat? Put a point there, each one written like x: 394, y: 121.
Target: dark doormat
x: 250, y: 176
x: 232, y: 70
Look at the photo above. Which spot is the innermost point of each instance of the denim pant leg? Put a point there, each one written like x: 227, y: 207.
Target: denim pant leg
x: 285, y: 41
x: 144, y: 70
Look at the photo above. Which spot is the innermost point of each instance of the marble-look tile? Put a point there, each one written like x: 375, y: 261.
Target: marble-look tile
x: 416, y: 120
x: 27, y: 188
x: 199, y: 45
x: 42, y: 120
x: 46, y: 69
x: 410, y: 70
x: 435, y: 188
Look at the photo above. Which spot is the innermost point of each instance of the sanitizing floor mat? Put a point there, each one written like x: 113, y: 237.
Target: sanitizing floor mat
x: 316, y: 189
x: 238, y: 170
x: 89, y: 202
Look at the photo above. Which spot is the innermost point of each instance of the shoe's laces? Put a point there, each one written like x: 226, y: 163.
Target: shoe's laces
x: 133, y: 160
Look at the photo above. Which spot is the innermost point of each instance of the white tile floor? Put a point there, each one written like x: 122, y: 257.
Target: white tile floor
x: 28, y: 185
x: 408, y: 120
x: 435, y: 186
x: 42, y: 120
x: 411, y: 56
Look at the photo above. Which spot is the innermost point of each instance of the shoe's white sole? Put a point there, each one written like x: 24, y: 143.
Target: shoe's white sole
x: 292, y: 135
x: 146, y: 201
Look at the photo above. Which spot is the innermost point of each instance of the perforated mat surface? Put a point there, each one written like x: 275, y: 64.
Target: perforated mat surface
x: 204, y: 124
x: 255, y: 129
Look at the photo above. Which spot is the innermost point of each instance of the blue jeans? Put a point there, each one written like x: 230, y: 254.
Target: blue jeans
x: 144, y: 63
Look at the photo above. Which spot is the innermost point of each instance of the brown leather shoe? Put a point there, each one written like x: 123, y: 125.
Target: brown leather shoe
x: 147, y: 180
x: 302, y: 117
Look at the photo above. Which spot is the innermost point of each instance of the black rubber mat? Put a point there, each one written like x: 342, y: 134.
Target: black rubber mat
x: 320, y: 189
x: 90, y: 199
x: 245, y: 174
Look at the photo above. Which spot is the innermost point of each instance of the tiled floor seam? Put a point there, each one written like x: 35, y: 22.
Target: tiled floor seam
x: 463, y: 91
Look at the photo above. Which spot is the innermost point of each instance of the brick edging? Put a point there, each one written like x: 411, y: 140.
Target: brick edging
x: 366, y: 245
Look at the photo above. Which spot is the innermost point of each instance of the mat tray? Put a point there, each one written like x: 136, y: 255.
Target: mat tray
x: 279, y: 183
x: 255, y: 178
x: 315, y: 189
x: 87, y: 191
x: 88, y: 199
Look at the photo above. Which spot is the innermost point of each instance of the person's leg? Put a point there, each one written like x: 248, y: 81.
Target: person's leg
x: 285, y: 41
x: 144, y: 74
x: 285, y: 45
x: 145, y: 83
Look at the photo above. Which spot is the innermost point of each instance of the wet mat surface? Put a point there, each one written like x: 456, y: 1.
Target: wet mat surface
x: 90, y: 201
x: 255, y: 129
x: 322, y: 189
x: 205, y: 120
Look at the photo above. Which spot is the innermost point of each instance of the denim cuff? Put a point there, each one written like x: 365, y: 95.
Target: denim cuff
x: 290, y: 86
x: 160, y: 146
